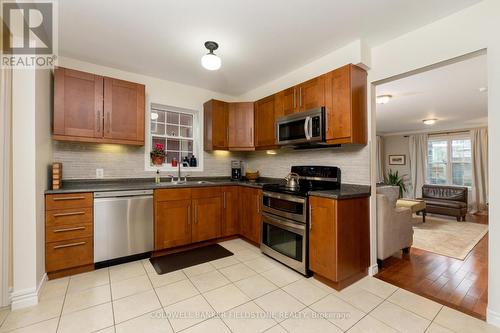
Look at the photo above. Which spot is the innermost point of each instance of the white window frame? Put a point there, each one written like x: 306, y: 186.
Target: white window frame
x: 449, y: 165
x: 197, y: 139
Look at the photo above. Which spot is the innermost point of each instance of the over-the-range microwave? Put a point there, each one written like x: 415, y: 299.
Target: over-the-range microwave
x: 301, y: 128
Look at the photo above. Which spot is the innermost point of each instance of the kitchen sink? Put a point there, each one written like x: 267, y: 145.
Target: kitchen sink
x: 203, y: 182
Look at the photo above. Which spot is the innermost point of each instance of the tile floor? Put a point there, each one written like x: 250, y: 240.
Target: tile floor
x: 247, y: 292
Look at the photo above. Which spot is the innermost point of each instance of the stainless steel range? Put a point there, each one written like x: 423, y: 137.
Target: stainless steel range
x: 285, y: 214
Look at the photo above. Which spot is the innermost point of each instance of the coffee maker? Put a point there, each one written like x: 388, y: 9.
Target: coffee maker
x: 236, y: 170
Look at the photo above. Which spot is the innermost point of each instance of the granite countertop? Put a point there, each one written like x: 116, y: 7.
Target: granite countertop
x: 98, y: 185
x: 346, y: 191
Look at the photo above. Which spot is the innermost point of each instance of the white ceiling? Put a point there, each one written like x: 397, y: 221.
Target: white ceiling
x: 450, y: 94
x: 259, y: 40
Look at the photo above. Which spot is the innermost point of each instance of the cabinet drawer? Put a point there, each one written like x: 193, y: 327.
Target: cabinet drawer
x: 68, y: 216
x: 67, y: 232
x: 68, y: 254
x: 206, y: 192
x: 172, y: 194
x: 68, y: 201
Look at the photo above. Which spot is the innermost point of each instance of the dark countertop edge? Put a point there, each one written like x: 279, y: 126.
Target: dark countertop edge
x: 95, y: 185
x: 346, y: 191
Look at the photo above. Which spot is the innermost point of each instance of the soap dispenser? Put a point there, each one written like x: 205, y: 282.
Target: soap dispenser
x: 157, y: 177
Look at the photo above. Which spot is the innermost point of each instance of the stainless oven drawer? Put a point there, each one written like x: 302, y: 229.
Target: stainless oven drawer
x: 285, y: 241
x: 285, y: 205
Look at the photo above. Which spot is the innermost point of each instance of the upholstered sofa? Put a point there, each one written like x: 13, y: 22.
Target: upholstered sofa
x: 394, y: 224
x: 446, y: 200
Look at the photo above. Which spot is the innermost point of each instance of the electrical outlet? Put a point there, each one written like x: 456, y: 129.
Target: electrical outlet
x: 99, y: 173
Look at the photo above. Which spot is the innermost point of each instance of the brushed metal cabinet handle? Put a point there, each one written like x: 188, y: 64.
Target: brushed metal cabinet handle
x: 310, y: 217
x: 98, y: 122
x: 68, y: 214
x: 68, y: 198
x: 300, y: 97
x: 69, y: 245
x: 294, y: 99
x: 69, y: 229
x: 189, y: 214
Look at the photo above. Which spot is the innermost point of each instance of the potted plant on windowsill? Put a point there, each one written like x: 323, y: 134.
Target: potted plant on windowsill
x: 158, y: 155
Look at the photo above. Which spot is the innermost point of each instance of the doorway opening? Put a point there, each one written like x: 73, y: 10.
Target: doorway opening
x: 432, y: 183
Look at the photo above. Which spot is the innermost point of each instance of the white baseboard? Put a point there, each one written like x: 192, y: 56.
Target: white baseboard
x: 493, y: 317
x: 372, y: 270
x: 27, y: 297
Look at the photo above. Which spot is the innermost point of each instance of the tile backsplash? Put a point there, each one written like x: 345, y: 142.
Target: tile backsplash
x: 80, y: 161
x: 353, y: 161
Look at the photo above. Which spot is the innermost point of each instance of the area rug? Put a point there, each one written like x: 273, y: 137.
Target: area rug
x: 447, y: 237
x: 175, y: 261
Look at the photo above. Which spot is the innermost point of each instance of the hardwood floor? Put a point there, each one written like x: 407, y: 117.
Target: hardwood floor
x: 462, y: 285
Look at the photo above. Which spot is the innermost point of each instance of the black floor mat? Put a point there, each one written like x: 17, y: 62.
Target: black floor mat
x: 175, y: 261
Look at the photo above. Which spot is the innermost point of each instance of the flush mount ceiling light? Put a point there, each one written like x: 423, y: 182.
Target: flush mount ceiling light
x: 383, y: 99
x: 429, y: 121
x: 210, y: 60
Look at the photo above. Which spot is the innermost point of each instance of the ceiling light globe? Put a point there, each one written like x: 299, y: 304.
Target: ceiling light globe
x: 211, y: 62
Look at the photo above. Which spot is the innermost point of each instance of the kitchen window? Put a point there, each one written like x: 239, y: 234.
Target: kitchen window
x: 449, y: 160
x: 178, y: 130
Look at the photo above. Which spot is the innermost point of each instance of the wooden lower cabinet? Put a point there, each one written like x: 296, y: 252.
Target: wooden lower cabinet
x: 230, y: 211
x: 339, y: 239
x: 185, y: 216
x: 250, y: 213
x: 172, y: 223
x: 207, y: 214
x: 69, y: 246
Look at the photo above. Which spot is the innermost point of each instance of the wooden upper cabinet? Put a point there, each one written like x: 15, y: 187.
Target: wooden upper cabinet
x: 265, y: 120
x: 78, y: 104
x: 289, y: 101
x: 241, y: 126
x: 346, y: 105
x: 216, y: 130
x: 90, y: 108
x: 311, y: 94
x: 124, y: 110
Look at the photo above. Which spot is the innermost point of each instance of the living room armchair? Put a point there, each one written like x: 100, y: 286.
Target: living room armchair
x: 394, y: 225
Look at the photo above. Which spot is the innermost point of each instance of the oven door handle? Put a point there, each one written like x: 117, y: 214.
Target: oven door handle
x: 286, y: 197
x: 284, y: 224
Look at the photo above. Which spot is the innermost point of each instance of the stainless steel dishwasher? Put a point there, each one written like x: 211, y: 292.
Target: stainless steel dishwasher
x: 123, y: 224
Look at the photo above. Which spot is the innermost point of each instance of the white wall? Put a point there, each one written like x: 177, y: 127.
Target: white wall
x: 396, y: 145
x: 467, y: 31
x: 43, y: 115
x: 24, y: 196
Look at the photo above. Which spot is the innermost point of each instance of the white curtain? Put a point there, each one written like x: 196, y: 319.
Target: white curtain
x: 5, y: 183
x: 380, y: 159
x: 479, y: 145
x: 418, y: 163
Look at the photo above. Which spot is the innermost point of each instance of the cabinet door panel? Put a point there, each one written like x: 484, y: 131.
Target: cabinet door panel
x: 78, y: 103
x: 172, y: 223
x: 215, y: 124
x: 250, y: 210
x: 241, y: 126
x: 322, y: 240
x: 230, y: 211
x: 289, y: 101
x: 265, y: 122
x: 338, y: 104
x: 256, y: 220
x: 312, y: 94
x: 123, y: 110
x: 207, y: 216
